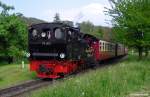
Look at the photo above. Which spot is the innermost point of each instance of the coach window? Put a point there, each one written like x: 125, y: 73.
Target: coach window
x: 106, y: 46
x: 113, y: 47
x: 103, y: 46
x: 109, y: 47
x: 100, y: 46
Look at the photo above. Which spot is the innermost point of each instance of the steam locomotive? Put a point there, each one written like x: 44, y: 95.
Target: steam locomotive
x: 57, y: 49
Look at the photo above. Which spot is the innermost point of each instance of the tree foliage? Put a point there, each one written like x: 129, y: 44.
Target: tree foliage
x: 131, y: 21
x: 13, y: 33
x: 88, y: 27
x: 5, y: 8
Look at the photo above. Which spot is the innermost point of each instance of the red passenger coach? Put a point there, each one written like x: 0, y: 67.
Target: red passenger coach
x: 104, y: 50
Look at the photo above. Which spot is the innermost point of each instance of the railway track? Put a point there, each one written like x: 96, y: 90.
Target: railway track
x: 16, y: 90
x: 22, y: 88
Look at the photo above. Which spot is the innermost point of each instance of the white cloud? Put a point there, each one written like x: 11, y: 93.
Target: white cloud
x: 93, y: 12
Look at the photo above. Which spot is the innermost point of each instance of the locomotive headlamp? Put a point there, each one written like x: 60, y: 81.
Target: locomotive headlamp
x: 34, y: 33
x: 43, y: 34
x: 62, y: 55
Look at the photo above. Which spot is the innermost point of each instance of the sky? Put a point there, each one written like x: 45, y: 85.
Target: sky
x: 73, y: 10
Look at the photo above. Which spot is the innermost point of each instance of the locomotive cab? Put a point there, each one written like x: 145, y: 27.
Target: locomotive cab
x: 47, y: 41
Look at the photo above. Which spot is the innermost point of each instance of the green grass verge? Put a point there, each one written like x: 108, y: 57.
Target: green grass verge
x: 13, y: 74
x: 112, y: 81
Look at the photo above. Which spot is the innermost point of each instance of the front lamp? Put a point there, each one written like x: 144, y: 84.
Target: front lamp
x: 62, y: 55
x: 43, y: 34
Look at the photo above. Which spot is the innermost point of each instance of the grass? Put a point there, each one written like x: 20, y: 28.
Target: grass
x: 13, y: 74
x: 111, y: 81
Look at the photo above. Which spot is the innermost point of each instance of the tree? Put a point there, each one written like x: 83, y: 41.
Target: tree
x: 5, y: 8
x: 98, y: 32
x: 57, y: 17
x: 87, y: 27
x: 13, y: 35
x: 131, y: 21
